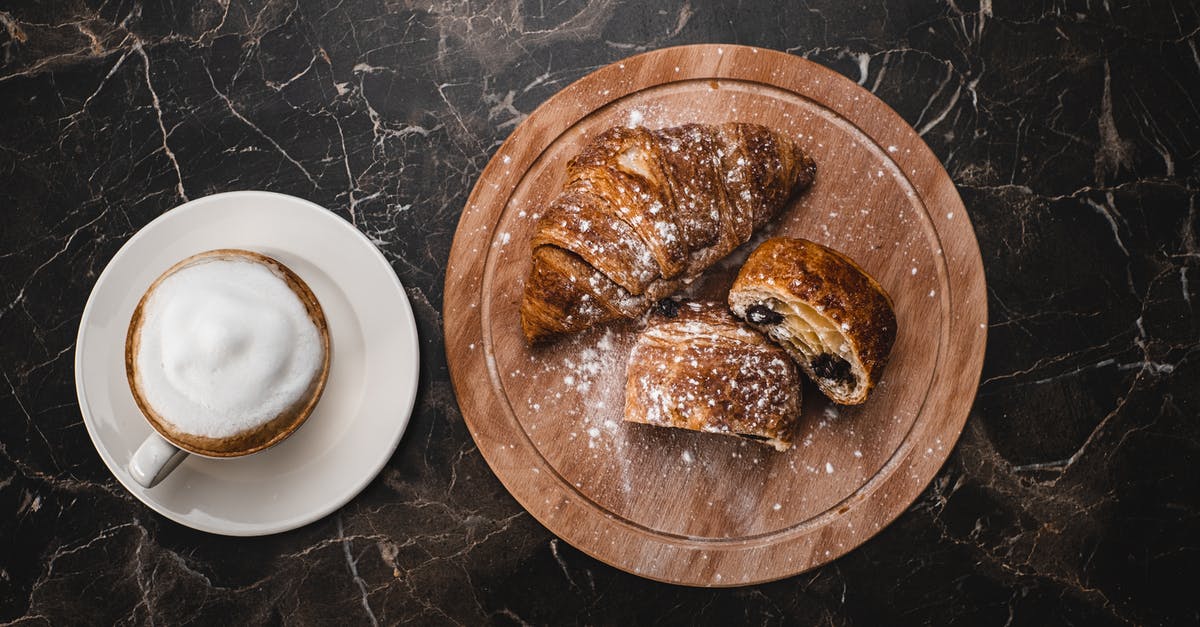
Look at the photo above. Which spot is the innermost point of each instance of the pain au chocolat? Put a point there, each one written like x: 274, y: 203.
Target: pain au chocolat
x: 833, y: 318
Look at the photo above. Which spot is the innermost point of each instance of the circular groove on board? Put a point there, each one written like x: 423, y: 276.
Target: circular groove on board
x: 815, y: 518
x: 480, y: 316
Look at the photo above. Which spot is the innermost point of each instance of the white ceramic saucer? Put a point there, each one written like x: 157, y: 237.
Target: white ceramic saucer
x: 367, y: 401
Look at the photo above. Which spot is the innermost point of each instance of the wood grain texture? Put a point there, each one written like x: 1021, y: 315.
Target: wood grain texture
x: 685, y: 507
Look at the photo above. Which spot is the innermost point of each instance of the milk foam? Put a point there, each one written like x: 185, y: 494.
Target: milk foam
x: 226, y: 346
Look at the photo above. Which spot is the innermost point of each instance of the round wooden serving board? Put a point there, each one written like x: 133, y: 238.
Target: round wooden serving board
x: 700, y: 509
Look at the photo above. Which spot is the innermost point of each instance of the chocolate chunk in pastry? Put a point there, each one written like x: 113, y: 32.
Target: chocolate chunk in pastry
x: 697, y: 367
x: 833, y: 318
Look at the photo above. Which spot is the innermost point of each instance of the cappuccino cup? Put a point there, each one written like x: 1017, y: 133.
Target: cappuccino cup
x: 226, y: 355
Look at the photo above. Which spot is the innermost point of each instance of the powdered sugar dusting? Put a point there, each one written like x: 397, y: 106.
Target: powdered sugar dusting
x: 618, y: 464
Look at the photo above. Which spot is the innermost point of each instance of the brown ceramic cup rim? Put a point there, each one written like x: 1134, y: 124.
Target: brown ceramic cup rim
x: 263, y: 436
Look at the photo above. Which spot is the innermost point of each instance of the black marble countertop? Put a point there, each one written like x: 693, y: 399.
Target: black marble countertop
x: 1071, y: 128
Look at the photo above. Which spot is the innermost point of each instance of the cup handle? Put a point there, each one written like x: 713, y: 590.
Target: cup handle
x: 154, y: 460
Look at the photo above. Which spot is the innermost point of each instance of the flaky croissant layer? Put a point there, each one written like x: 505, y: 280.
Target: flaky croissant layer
x: 644, y: 211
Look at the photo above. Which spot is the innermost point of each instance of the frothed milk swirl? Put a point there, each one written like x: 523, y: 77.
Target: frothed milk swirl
x: 226, y: 346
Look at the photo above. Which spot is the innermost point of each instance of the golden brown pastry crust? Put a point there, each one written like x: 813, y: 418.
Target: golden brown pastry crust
x: 570, y: 289
x: 789, y: 275
x: 648, y: 210
x: 693, y: 172
x: 704, y: 370
x: 620, y: 168
x: 577, y: 221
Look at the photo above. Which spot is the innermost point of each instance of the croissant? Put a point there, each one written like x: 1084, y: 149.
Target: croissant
x: 644, y: 212
x: 697, y: 367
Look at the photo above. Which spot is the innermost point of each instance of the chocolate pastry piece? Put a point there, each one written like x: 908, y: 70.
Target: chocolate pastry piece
x: 833, y: 318
x: 643, y: 212
x: 697, y: 367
